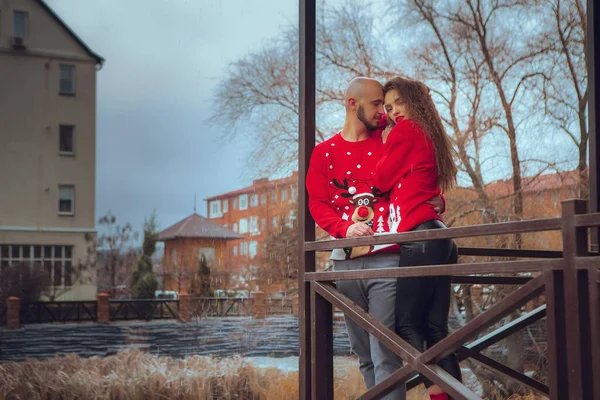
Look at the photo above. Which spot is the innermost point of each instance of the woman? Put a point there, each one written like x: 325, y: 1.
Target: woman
x: 417, y: 165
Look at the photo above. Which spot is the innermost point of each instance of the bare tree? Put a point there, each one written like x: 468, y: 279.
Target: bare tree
x: 565, y: 89
x: 279, y: 261
x: 266, y: 84
x: 117, y: 259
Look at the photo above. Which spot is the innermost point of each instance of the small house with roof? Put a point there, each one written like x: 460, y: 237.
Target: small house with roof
x: 185, y: 243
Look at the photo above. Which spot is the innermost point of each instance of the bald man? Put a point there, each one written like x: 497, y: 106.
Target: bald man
x: 344, y: 201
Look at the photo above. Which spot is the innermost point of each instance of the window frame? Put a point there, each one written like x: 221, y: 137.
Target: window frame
x: 26, y: 24
x: 73, y: 69
x: 243, y: 202
x: 66, y: 213
x: 60, y: 141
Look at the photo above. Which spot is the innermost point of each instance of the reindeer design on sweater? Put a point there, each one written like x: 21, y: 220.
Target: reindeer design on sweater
x: 364, y: 210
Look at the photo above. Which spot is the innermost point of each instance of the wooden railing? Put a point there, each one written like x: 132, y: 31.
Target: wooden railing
x: 143, y: 309
x: 58, y: 311
x: 568, y: 280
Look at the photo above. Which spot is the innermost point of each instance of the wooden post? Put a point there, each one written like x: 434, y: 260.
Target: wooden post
x: 259, y: 305
x: 593, y: 91
x: 103, y: 308
x: 575, y: 245
x: 13, y: 313
x: 322, y: 346
x: 306, y: 225
x: 184, y: 307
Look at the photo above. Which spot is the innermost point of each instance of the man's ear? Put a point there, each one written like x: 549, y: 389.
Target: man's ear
x: 352, y: 103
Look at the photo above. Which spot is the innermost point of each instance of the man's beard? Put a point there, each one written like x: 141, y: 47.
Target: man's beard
x: 361, y: 117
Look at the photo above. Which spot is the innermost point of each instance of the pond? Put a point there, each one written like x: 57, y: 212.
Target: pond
x: 244, y: 336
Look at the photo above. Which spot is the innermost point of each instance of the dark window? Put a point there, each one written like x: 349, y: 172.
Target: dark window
x: 66, y: 133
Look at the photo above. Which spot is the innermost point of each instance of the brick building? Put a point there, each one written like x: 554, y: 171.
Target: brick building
x: 542, y: 196
x: 186, y: 242
x: 254, y: 212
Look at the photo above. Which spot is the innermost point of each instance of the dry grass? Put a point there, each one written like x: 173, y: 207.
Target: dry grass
x: 135, y: 375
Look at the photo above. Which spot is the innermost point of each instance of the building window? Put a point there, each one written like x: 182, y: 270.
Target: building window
x: 243, y: 248
x: 243, y: 201
x: 225, y: 205
x: 235, y: 250
x: 274, y: 196
x: 292, y: 218
x: 215, y: 209
x: 254, y: 225
x: 283, y: 195
x: 253, y: 249
x: 274, y: 222
x: 235, y: 228
x: 263, y: 199
x: 67, y: 79
x: 234, y: 204
x: 66, y: 139
x: 20, y: 24
x: 53, y: 263
x: 243, y: 225
x: 66, y: 199
x: 263, y: 224
x: 293, y: 193
x: 208, y: 253
x: 254, y: 200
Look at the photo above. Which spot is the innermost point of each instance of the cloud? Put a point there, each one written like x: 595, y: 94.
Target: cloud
x: 163, y: 60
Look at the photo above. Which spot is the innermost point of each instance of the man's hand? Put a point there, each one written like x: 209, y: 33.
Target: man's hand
x: 359, y: 229
x: 437, y: 203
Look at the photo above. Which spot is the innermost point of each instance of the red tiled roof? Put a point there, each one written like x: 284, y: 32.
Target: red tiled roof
x: 196, y: 226
x: 535, y: 184
x: 258, y: 184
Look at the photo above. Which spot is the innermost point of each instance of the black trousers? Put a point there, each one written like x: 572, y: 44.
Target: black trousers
x: 423, y: 303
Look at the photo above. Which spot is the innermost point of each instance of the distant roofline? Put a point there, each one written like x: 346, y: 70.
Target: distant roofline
x: 256, y: 184
x: 164, y: 235
x: 99, y: 59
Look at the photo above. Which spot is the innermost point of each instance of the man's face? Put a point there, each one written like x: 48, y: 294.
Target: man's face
x: 370, y: 106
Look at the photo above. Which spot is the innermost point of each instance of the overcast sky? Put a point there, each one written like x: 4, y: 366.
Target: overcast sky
x: 163, y: 60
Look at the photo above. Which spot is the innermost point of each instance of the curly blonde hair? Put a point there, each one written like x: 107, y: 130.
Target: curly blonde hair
x: 416, y: 98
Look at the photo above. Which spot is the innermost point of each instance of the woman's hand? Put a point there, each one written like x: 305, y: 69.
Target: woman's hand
x: 385, y: 133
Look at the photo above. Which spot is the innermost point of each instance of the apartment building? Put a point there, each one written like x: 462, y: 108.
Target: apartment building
x: 254, y: 212
x: 47, y: 147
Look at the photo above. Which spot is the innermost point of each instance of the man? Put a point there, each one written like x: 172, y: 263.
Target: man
x: 340, y: 172
x: 344, y: 201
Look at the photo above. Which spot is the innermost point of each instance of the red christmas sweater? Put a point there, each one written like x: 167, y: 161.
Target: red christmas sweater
x: 408, y: 170
x: 341, y: 188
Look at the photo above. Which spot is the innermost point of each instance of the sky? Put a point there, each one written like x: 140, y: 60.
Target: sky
x: 164, y: 58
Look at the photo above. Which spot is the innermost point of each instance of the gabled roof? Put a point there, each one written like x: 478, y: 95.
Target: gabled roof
x: 196, y: 226
x: 99, y: 60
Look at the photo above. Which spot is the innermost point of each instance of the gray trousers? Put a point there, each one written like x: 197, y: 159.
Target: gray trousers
x: 378, y: 297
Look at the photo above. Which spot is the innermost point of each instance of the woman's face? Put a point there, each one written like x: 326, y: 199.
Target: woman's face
x: 394, y: 108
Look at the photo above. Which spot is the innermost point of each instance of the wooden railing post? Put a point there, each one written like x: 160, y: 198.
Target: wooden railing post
x: 322, y: 346
x: 556, y: 335
x: 103, y: 308
x: 259, y: 304
x: 575, y: 244
x: 306, y: 225
x: 13, y: 313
